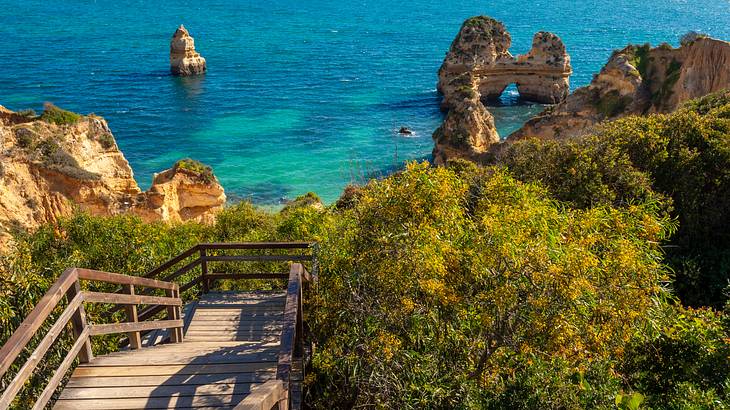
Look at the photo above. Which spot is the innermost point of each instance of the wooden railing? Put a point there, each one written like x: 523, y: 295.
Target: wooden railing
x: 68, y: 284
x: 277, y: 393
x: 174, y: 277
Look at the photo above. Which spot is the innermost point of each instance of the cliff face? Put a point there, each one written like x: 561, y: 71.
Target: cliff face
x: 51, y: 164
x: 468, y: 129
x: 184, y: 60
x: 479, y: 67
x: 482, y: 49
x: 637, y: 80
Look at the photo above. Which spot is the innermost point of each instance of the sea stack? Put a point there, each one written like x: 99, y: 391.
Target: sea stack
x: 479, y: 67
x: 184, y: 60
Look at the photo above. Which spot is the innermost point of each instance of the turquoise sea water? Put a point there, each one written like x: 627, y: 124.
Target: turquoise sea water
x: 300, y: 95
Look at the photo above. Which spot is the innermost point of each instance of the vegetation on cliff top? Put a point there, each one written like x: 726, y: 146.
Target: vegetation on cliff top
x: 546, y: 281
x: 58, y: 116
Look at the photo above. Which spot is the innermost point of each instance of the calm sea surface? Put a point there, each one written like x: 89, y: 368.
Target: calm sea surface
x: 300, y: 95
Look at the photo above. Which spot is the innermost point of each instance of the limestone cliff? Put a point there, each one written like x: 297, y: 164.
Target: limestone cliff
x: 479, y: 67
x: 468, y: 129
x: 184, y: 60
x: 52, y: 163
x: 637, y: 80
x: 482, y: 49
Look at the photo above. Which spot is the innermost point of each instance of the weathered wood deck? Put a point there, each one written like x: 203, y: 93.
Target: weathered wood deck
x: 230, y: 347
x: 225, y: 350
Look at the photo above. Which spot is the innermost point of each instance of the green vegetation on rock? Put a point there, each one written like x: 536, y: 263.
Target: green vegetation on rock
x: 58, y: 116
x: 200, y: 170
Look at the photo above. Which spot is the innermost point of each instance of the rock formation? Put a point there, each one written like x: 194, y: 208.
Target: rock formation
x: 637, y: 80
x: 479, y: 67
x: 468, y: 129
x: 482, y: 49
x: 184, y: 60
x: 49, y: 167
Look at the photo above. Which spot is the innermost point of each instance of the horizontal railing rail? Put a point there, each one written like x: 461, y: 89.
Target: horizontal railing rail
x: 68, y: 285
x: 172, y: 277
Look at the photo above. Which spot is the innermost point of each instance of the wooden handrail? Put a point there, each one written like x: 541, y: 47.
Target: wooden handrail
x: 68, y: 284
x: 265, y: 397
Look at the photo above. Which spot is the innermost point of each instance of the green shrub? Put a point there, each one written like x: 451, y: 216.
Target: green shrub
x: 58, y: 116
x: 423, y: 300
x: 202, y: 171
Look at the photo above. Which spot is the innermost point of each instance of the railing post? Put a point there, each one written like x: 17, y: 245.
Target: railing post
x: 135, y: 340
x: 78, y: 321
x: 204, y: 269
x: 298, y: 338
x: 174, y: 313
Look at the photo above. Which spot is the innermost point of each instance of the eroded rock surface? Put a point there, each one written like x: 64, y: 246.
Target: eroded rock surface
x: 637, y: 80
x: 184, y: 60
x: 479, y: 67
x: 48, y: 168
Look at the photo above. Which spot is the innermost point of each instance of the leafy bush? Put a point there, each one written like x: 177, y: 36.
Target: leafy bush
x: 202, y: 171
x: 690, y: 37
x: 423, y: 301
x: 684, y: 157
x: 58, y: 116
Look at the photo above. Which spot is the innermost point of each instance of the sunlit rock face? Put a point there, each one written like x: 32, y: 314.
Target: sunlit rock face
x: 637, y: 80
x: 479, y: 67
x: 184, y: 60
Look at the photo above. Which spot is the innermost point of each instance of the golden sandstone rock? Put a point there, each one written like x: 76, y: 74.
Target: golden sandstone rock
x: 479, y: 67
x: 184, y: 60
x: 48, y: 169
x: 637, y: 80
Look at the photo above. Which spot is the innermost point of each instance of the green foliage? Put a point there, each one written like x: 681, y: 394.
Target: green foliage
x: 639, y: 58
x: 612, y: 104
x: 424, y: 300
x: 197, y: 168
x: 684, y: 157
x: 684, y: 362
x: 107, y: 141
x: 690, y: 37
x: 58, y: 116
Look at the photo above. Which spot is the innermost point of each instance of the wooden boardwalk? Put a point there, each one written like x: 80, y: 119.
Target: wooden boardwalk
x: 230, y: 347
x: 229, y: 350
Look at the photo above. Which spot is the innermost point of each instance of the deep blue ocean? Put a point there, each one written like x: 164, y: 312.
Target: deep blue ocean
x: 299, y: 95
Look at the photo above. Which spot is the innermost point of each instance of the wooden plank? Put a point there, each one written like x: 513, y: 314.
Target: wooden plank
x: 190, y: 349
x: 88, y: 274
x: 134, y: 338
x: 117, y: 298
x: 186, y: 358
x: 133, y: 327
x: 60, y: 374
x: 291, y: 317
x: 234, y: 276
x: 265, y: 397
x: 22, y: 335
x: 258, y: 315
x: 151, y: 403
x: 172, y: 369
x: 243, y: 326
x: 259, y: 376
x: 183, y: 270
x: 171, y: 262
x: 164, y: 390
x: 40, y: 351
x: 169, y: 370
x: 259, y: 258
x: 244, y: 308
x: 234, y: 338
x: 257, y: 245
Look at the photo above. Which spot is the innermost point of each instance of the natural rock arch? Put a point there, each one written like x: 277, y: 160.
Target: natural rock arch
x: 482, y: 49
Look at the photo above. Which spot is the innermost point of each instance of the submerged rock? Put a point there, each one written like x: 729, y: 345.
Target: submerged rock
x: 59, y: 161
x: 184, y: 60
x: 637, y: 80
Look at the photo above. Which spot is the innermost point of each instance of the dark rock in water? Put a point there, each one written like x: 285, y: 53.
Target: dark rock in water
x: 405, y: 131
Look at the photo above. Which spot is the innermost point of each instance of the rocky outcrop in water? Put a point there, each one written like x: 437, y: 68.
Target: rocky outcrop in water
x: 53, y: 163
x: 184, y: 60
x: 468, y: 129
x: 637, y: 80
x: 479, y: 67
x: 482, y: 49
